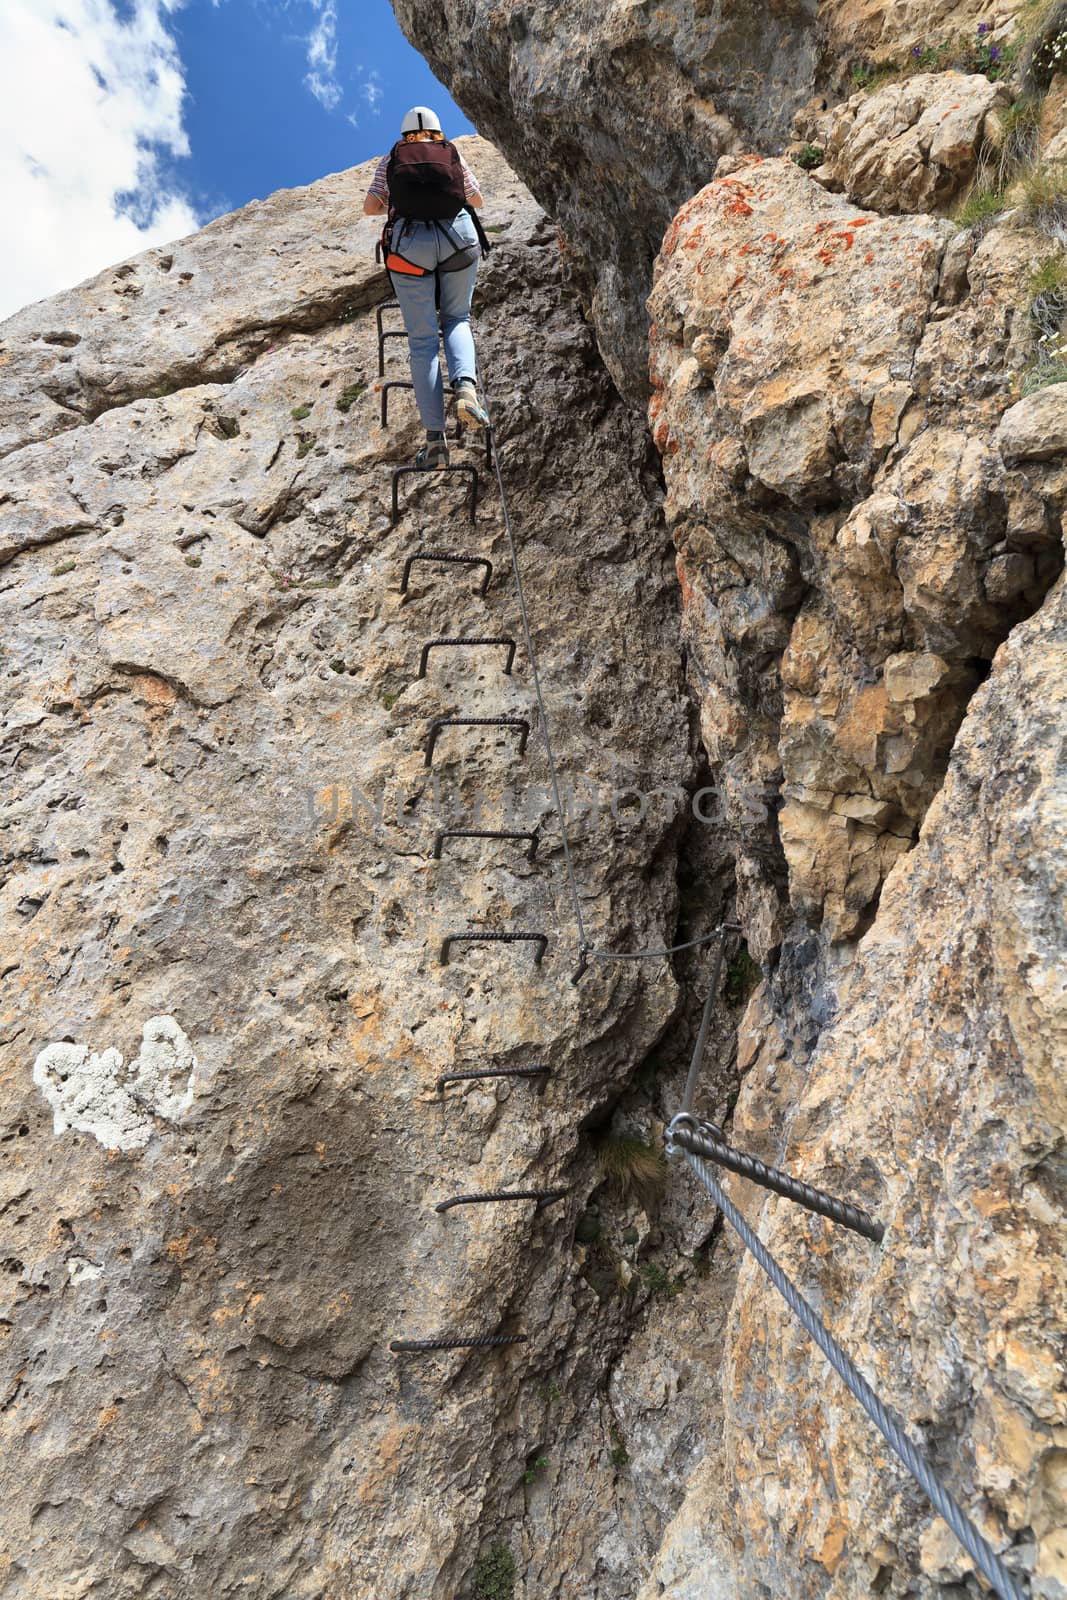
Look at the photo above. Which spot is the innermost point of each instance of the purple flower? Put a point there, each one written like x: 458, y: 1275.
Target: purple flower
x: 917, y: 51
x: 994, y: 52
x: 983, y: 28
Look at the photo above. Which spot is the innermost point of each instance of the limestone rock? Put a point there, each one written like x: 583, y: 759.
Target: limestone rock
x: 936, y: 1099
x: 850, y: 538
x: 616, y: 114
x: 217, y: 816
x: 912, y: 145
x: 1035, y: 428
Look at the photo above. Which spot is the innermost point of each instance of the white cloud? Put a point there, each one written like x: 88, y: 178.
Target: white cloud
x: 88, y: 102
x: 373, y: 94
x: 321, y: 77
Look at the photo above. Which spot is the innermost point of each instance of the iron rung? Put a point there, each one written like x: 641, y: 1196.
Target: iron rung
x: 394, y: 383
x: 385, y: 335
x: 486, y: 1342
x: 484, y: 833
x: 456, y: 643
x: 449, y: 559
x: 390, y: 304
x: 708, y: 1141
x: 401, y: 472
x: 475, y: 722
x: 473, y: 936
x: 544, y: 1197
x: 493, y: 1072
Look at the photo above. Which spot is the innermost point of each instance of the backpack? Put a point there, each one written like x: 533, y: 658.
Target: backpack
x: 425, y: 181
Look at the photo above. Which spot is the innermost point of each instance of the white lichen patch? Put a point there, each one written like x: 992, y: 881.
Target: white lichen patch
x: 82, y: 1270
x: 96, y: 1094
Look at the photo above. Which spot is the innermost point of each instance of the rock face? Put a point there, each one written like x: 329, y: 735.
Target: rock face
x: 223, y: 1015
x: 937, y: 1098
x: 913, y: 146
x: 617, y: 113
x: 853, y: 544
x: 861, y: 524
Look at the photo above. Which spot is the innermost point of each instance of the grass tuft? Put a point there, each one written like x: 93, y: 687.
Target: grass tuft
x: 298, y: 413
x: 872, y: 75
x: 630, y: 1165
x: 1043, y: 376
x: 742, y: 976
x: 981, y: 206
x: 1043, y: 198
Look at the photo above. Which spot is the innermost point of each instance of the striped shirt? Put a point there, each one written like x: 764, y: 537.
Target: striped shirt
x: 379, y: 188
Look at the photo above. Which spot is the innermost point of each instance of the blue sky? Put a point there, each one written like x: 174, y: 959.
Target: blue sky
x: 260, y: 116
x: 128, y: 123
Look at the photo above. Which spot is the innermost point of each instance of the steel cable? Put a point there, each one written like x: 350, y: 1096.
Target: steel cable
x: 980, y: 1551
x: 709, y: 1142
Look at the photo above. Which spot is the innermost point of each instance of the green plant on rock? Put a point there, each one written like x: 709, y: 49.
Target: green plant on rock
x: 648, y: 1073
x: 1015, y: 144
x: 631, y: 1166
x: 63, y: 567
x: 587, y: 1229
x: 981, y: 206
x: 350, y: 394
x: 298, y: 413
x: 535, y: 1469
x: 389, y: 700
x: 1043, y: 199
x: 1043, y: 34
x: 305, y: 445
x: 810, y: 157
x: 872, y: 75
x: 742, y: 976
x: 659, y: 1282
x: 193, y: 561
x: 493, y: 1577
x: 1043, y: 375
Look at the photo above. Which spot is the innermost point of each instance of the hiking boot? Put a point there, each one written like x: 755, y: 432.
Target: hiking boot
x: 434, y: 453
x: 469, y: 409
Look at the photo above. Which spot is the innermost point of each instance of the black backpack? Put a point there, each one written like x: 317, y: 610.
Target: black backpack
x: 425, y: 179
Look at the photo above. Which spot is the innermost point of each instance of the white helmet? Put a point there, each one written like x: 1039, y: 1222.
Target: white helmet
x: 420, y: 119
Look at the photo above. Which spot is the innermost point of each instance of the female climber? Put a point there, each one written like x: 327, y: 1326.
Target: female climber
x: 432, y: 245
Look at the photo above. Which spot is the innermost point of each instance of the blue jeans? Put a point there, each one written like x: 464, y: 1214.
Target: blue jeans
x: 426, y: 245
